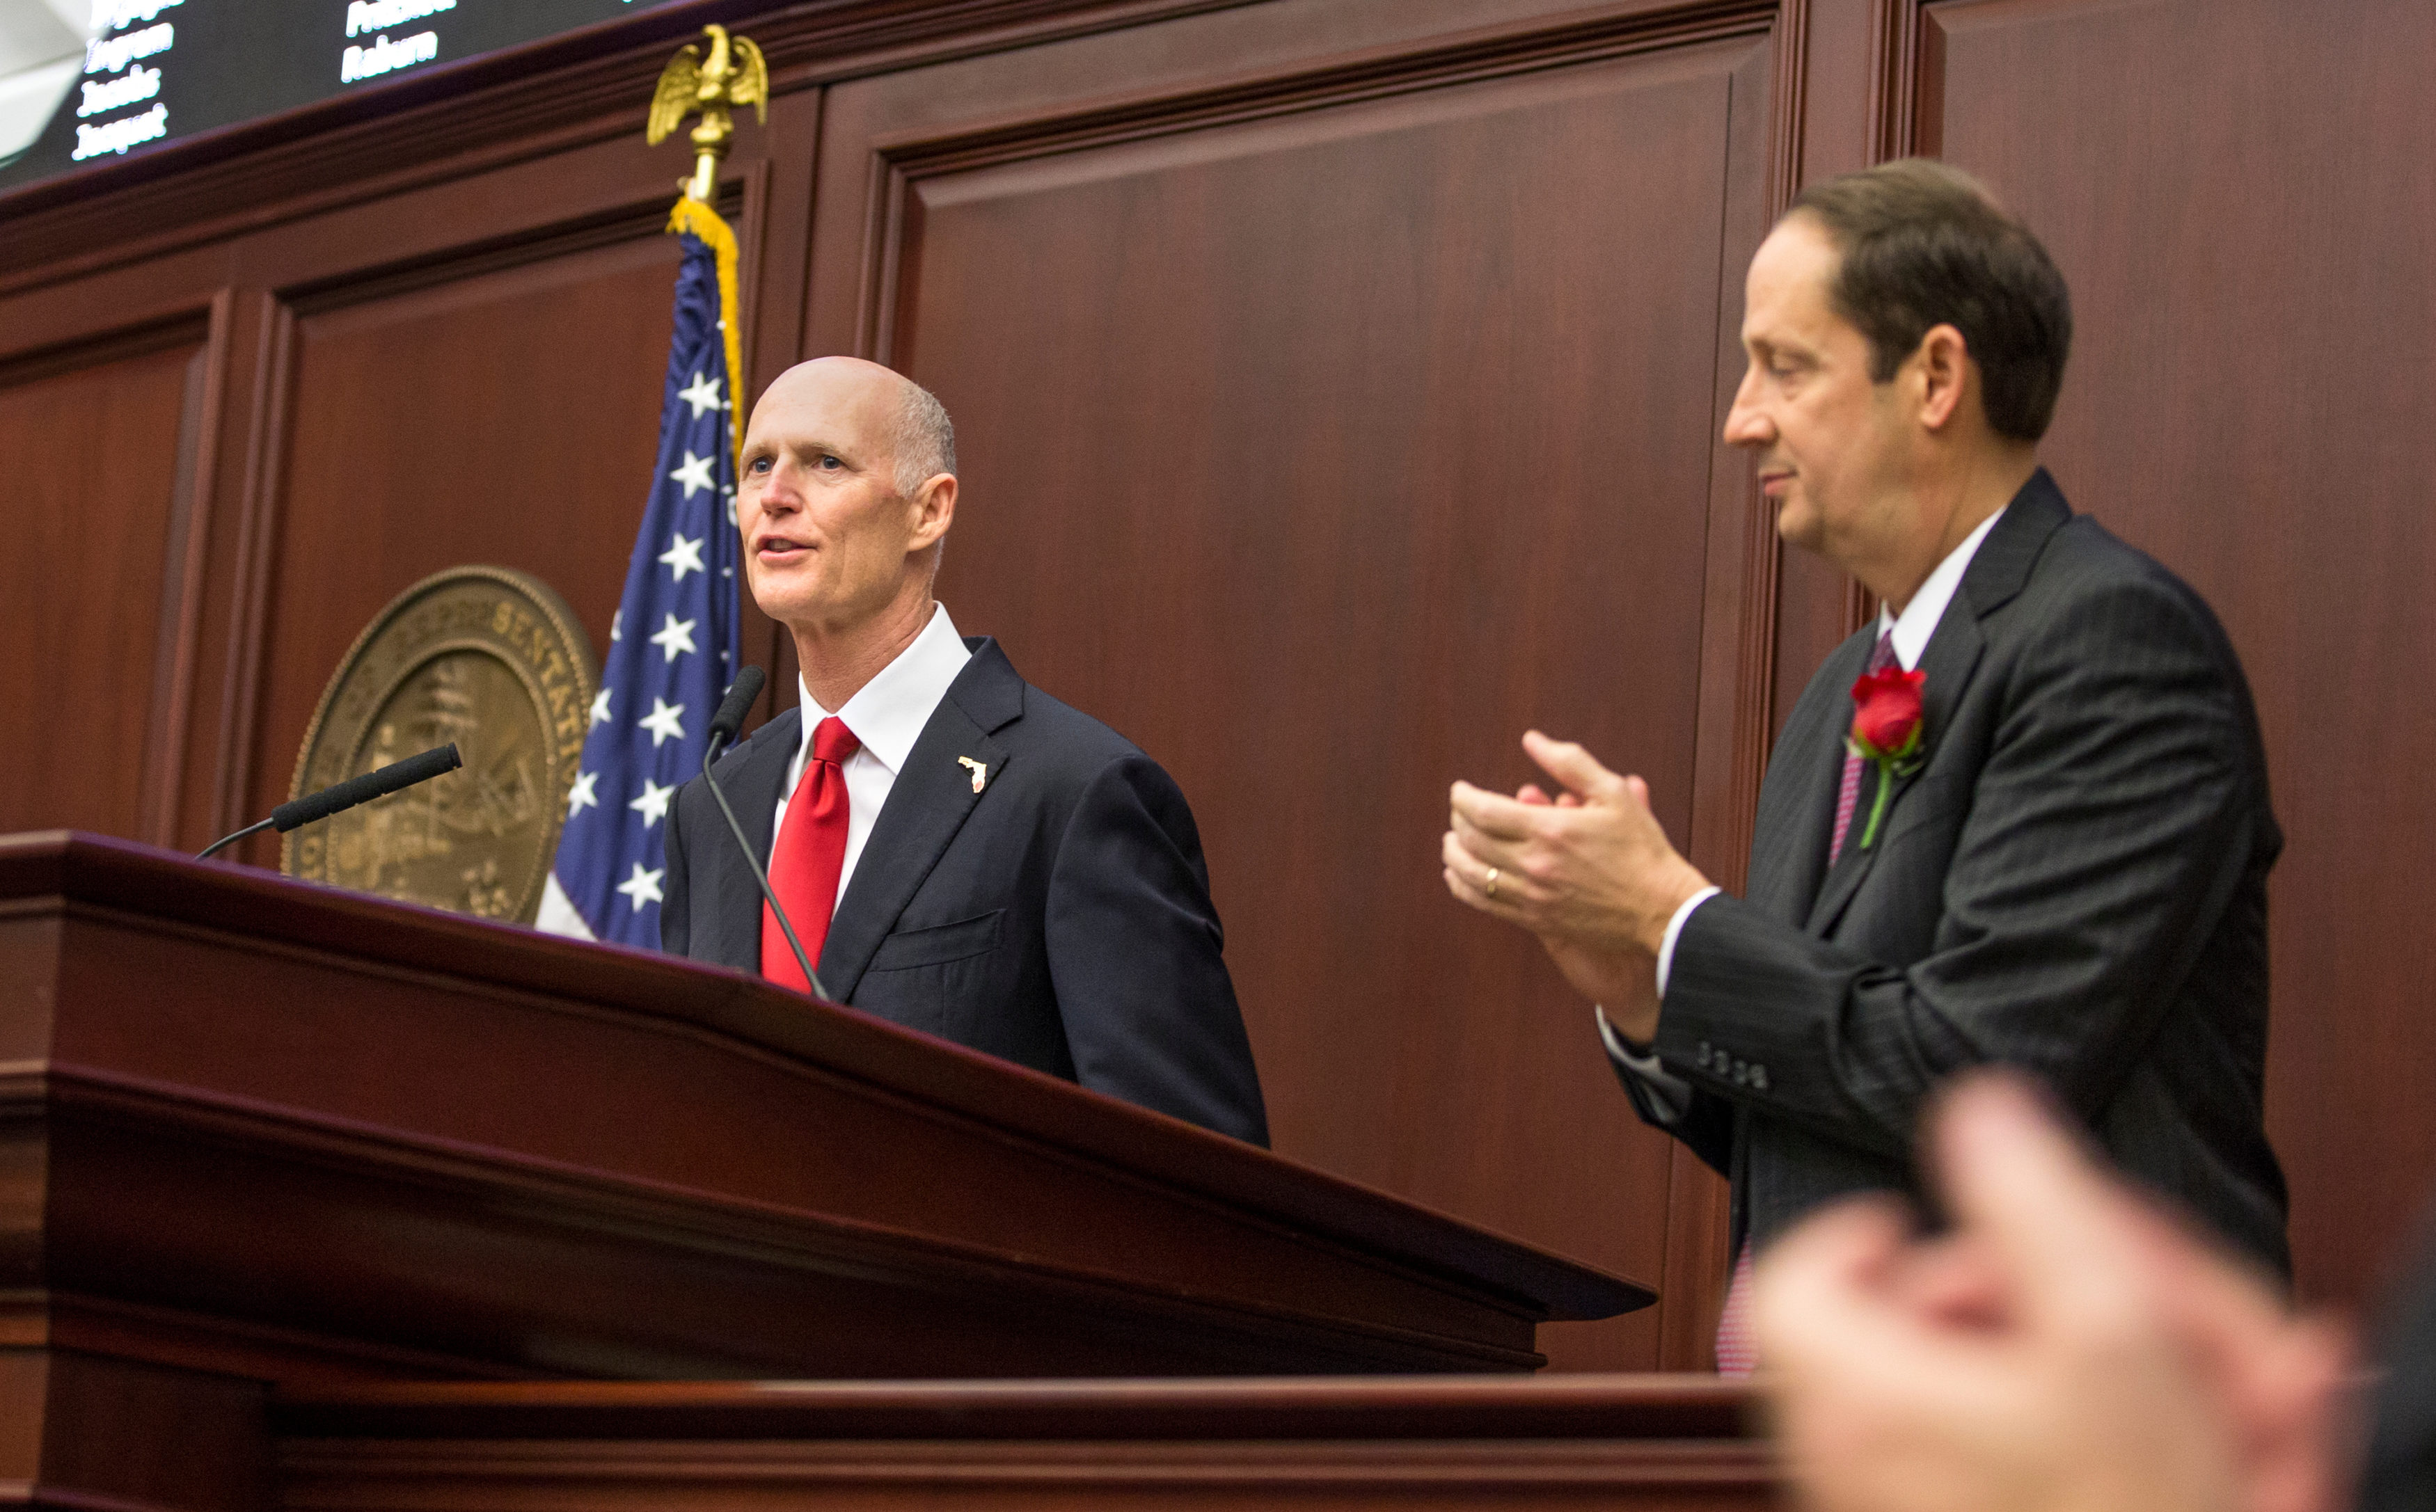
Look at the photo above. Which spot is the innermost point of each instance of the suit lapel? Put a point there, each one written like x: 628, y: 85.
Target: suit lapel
x: 926, y: 807
x: 1997, y: 572
x: 751, y: 778
x: 1790, y: 859
x: 1952, y: 656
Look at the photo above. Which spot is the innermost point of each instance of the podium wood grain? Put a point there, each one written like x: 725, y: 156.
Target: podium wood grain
x: 1644, y: 1442
x: 257, y: 1131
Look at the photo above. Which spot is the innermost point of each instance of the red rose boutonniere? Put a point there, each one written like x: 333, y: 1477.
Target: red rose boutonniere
x: 1885, y: 729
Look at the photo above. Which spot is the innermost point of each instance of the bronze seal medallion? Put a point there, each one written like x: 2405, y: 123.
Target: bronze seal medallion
x: 490, y: 659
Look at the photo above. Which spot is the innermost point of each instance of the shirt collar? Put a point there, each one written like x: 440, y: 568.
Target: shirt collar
x: 887, y: 714
x: 1918, y: 621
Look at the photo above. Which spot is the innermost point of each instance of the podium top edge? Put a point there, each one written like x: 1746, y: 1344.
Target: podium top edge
x: 72, y: 873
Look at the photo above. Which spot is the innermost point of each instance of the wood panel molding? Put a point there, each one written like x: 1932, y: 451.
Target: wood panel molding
x: 1896, y: 72
x: 182, y: 587
x: 278, y: 977
x: 1442, y: 61
x: 240, y: 1148
x: 253, y: 564
x: 899, y: 161
x: 190, y: 325
x: 485, y: 113
x: 1644, y: 1442
x: 87, y: 1433
x: 636, y: 219
x: 2224, y: 196
x: 175, y: 441
x: 1739, y: 645
x: 252, y: 756
x: 249, y: 1127
x: 888, y: 145
x: 632, y: 1475
x: 1788, y: 105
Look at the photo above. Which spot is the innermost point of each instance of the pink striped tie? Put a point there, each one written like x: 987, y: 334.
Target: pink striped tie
x: 1847, y: 797
x: 1737, y: 1350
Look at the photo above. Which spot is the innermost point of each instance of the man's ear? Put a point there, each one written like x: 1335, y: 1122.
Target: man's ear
x: 1945, y: 374
x: 934, y: 509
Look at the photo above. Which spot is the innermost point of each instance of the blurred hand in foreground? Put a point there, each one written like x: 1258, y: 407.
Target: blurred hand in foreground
x: 2066, y: 1347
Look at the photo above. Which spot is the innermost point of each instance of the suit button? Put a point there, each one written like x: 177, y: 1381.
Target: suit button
x: 1759, y: 1079
x: 1702, y: 1058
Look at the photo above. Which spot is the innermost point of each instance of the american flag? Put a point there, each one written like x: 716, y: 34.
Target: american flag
x: 672, y: 646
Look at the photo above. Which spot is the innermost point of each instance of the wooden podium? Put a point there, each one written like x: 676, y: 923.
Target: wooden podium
x: 260, y: 1135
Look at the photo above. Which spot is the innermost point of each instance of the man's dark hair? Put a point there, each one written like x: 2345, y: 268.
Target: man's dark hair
x: 1925, y: 245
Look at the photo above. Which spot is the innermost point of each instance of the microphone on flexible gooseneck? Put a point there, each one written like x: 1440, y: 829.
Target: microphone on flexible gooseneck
x: 346, y: 794
x: 724, y: 727
x: 733, y: 708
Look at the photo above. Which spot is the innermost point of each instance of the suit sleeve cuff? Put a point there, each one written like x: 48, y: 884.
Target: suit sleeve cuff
x: 1670, y: 1094
x: 1675, y: 932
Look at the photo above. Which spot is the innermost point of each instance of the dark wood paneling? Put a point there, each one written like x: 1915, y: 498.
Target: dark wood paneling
x: 262, y: 1128
x: 1618, y: 1441
x: 1739, y: 637
x: 1310, y: 450
x: 506, y: 417
x: 437, y: 126
x: 1318, y: 361
x: 99, y: 441
x: 81, y: 1431
x: 2239, y: 192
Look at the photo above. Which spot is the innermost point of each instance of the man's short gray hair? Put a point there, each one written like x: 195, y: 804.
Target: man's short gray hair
x: 925, y: 441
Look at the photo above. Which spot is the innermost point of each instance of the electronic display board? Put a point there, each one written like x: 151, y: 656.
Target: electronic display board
x: 158, y: 70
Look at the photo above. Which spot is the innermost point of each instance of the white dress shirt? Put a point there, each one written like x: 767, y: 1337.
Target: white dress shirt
x: 887, y: 715
x: 1911, y: 631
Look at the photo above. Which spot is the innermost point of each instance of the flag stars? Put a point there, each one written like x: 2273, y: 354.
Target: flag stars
x: 663, y: 721
x: 643, y: 887
x: 643, y: 736
x: 695, y: 474
x: 676, y: 636
x: 653, y: 804
x: 684, y: 556
x: 703, y: 396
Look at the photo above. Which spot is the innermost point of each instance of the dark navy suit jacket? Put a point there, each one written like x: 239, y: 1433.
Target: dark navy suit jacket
x: 1059, y: 918
x: 2074, y: 881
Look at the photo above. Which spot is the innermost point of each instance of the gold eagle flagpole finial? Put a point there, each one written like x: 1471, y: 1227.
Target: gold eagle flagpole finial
x: 733, y: 74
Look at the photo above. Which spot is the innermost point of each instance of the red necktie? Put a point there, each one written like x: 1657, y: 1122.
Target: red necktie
x: 810, y: 851
x: 1737, y: 1348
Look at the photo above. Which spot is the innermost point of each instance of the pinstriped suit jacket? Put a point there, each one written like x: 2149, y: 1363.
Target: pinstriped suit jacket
x: 2074, y: 882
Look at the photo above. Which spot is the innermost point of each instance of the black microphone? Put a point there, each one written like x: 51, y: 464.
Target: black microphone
x: 724, y: 727
x: 733, y: 708
x: 344, y: 795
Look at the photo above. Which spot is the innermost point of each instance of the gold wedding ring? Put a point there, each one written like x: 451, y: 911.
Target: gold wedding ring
x: 1488, y: 888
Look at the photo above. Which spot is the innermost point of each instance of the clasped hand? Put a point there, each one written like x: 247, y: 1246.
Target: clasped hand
x: 1589, y: 872
x: 2064, y: 1347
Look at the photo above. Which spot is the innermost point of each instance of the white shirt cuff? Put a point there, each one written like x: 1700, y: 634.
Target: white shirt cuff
x: 1669, y: 1093
x: 1675, y: 931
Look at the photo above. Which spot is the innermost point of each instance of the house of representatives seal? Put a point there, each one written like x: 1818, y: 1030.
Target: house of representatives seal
x: 490, y: 659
